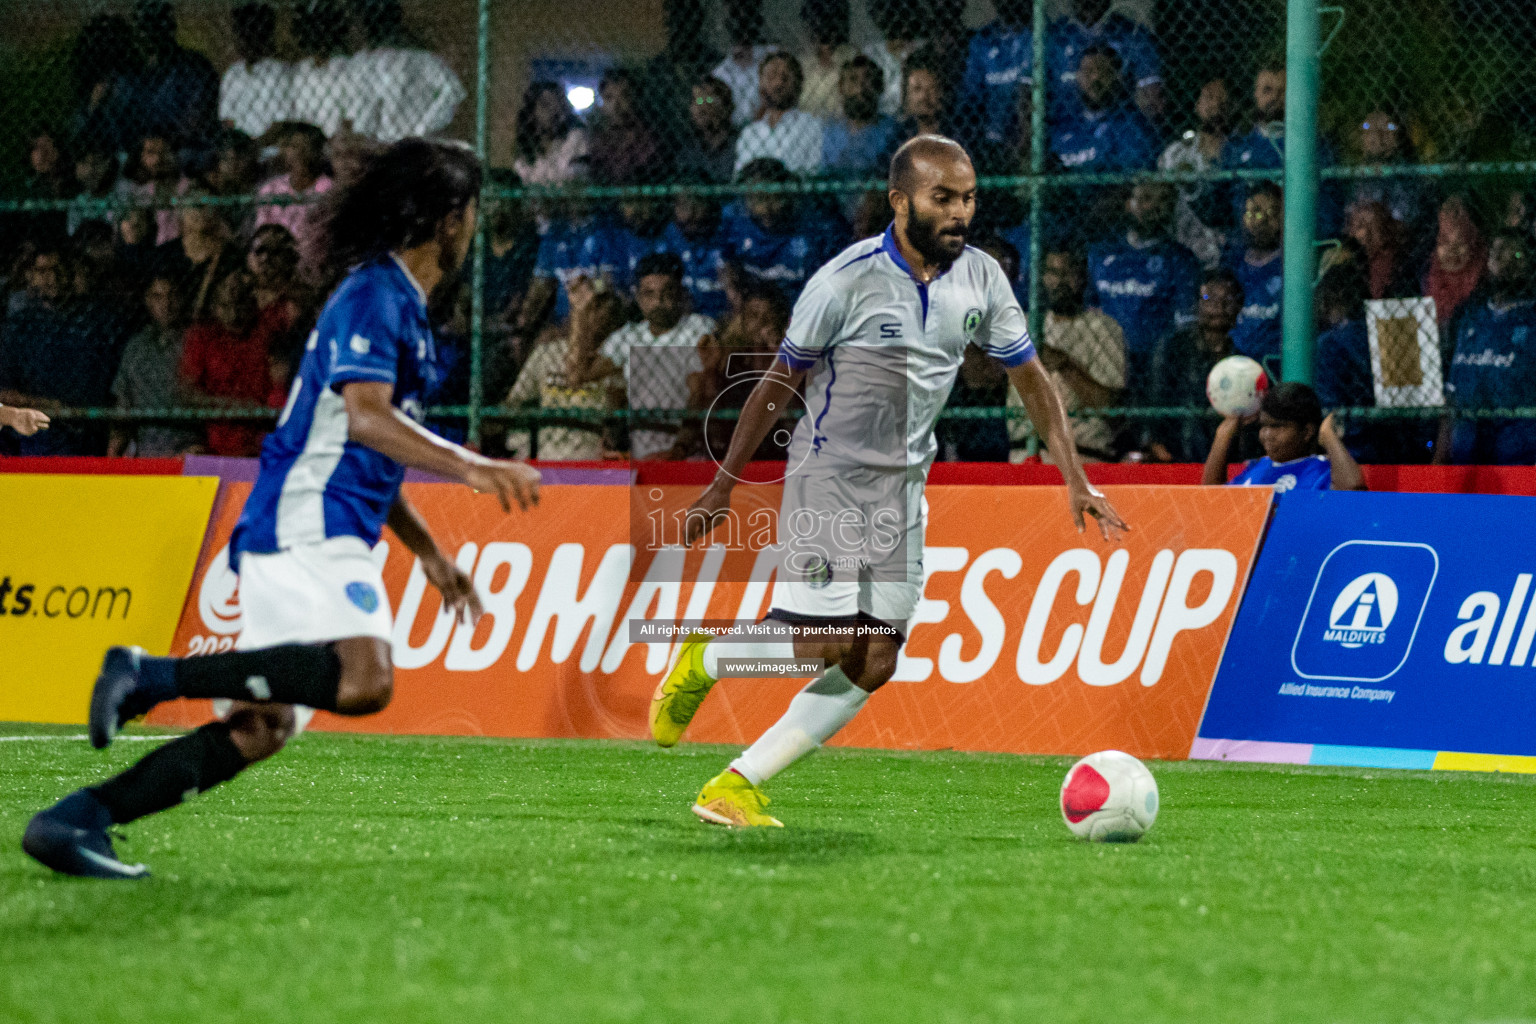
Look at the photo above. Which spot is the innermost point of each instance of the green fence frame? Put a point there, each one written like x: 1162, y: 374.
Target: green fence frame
x: 1303, y: 58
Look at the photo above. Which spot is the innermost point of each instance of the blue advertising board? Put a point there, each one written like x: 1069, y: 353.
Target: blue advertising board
x: 1383, y: 629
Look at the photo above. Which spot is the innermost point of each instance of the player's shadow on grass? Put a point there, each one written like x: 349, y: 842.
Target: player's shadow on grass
x: 41, y: 905
x: 786, y: 845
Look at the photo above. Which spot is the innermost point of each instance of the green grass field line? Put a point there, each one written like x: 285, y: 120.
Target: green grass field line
x: 433, y: 880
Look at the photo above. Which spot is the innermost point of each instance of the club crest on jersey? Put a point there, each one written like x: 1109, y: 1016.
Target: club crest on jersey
x: 819, y: 573
x: 364, y: 596
x: 972, y: 323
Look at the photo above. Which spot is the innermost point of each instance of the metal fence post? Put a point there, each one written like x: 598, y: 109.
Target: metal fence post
x: 477, y: 280
x: 1301, y: 185
x: 1037, y: 143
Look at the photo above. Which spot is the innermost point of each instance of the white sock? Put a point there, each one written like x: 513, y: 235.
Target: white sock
x: 814, y: 716
x: 715, y: 650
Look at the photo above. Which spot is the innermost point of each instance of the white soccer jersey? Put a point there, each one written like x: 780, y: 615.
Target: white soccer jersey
x: 883, y: 350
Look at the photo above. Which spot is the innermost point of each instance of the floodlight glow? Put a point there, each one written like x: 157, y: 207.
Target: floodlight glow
x: 581, y: 97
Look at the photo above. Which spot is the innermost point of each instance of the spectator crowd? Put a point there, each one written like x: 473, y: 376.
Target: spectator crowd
x: 183, y: 292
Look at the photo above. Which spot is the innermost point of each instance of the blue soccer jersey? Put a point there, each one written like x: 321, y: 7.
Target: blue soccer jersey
x: 1309, y: 473
x: 567, y: 251
x: 1018, y: 236
x: 788, y: 259
x: 1494, y: 368
x: 703, y: 263
x: 1262, y: 149
x: 1149, y: 290
x: 617, y: 249
x: 996, y: 67
x: 314, y: 482
x: 1117, y: 139
x: 1066, y: 40
x: 1257, y: 334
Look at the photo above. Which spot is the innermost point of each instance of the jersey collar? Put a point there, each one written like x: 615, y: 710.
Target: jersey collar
x: 888, y: 245
x: 415, y: 284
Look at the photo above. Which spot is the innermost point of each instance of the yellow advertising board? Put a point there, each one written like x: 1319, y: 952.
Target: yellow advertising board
x: 87, y: 562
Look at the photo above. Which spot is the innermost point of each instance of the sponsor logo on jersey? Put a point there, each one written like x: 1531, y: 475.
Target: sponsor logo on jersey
x: 1131, y: 289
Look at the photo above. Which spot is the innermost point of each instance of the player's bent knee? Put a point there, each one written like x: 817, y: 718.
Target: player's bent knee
x: 872, y: 667
x: 258, y: 733
x: 365, y: 691
x: 367, y: 677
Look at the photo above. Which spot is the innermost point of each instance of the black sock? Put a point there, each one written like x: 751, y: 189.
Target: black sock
x: 290, y: 674
x: 187, y: 765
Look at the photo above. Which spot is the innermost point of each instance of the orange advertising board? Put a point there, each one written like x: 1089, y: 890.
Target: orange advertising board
x: 1031, y: 637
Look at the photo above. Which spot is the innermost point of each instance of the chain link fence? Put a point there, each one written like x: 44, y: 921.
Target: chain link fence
x: 666, y: 175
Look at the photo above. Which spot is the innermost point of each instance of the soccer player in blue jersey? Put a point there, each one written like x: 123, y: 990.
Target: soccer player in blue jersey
x: 874, y: 345
x: 1291, y: 430
x: 317, y: 620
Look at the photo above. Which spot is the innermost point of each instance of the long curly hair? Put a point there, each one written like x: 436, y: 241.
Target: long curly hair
x: 403, y: 195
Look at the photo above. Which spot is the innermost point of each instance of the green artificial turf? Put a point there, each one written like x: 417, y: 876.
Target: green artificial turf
x: 438, y: 880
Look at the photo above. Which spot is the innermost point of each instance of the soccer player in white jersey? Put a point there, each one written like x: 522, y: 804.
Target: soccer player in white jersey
x: 874, y: 345
x: 317, y: 620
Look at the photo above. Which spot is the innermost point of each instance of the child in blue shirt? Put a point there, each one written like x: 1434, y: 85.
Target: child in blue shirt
x: 1291, y: 431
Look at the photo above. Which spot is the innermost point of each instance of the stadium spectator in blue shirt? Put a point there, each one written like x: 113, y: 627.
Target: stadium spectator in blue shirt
x: 1263, y: 148
x: 1381, y: 138
x: 1259, y: 267
x: 569, y: 248
x: 699, y: 240
x: 1494, y: 365
x: 1107, y: 132
x: 773, y: 242
x: 1092, y: 24
x: 859, y: 143
x: 1181, y: 364
x: 996, y: 68
x: 617, y: 248
x: 176, y: 93
x: 60, y: 350
x: 1291, y: 430
x: 1343, y: 371
x: 1145, y: 280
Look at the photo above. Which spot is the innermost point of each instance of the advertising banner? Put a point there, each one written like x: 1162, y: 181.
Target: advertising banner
x: 87, y: 562
x: 1387, y: 630
x: 1030, y: 637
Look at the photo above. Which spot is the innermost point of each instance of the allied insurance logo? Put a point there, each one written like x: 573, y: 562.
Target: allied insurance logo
x: 1364, y: 611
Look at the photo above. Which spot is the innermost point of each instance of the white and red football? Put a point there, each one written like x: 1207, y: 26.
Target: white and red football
x: 1109, y: 797
x: 1236, y: 386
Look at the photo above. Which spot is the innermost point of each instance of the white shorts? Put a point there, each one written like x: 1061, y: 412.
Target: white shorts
x: 312, y: 594
x: 853, y: 545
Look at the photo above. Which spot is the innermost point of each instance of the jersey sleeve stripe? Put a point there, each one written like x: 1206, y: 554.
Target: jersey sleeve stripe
x: 1016, y: 356
x: 356, y: 372
x: 797, y: 359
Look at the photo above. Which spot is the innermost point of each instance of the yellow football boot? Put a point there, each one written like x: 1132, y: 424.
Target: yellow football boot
x: 729, y: 799
x: 678, y: 696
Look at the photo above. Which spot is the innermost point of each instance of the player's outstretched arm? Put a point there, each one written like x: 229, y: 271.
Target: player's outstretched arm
x: 1049, y: 416
x: 373, y: 421
x: 25, y: 422
x: 764, y: 408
